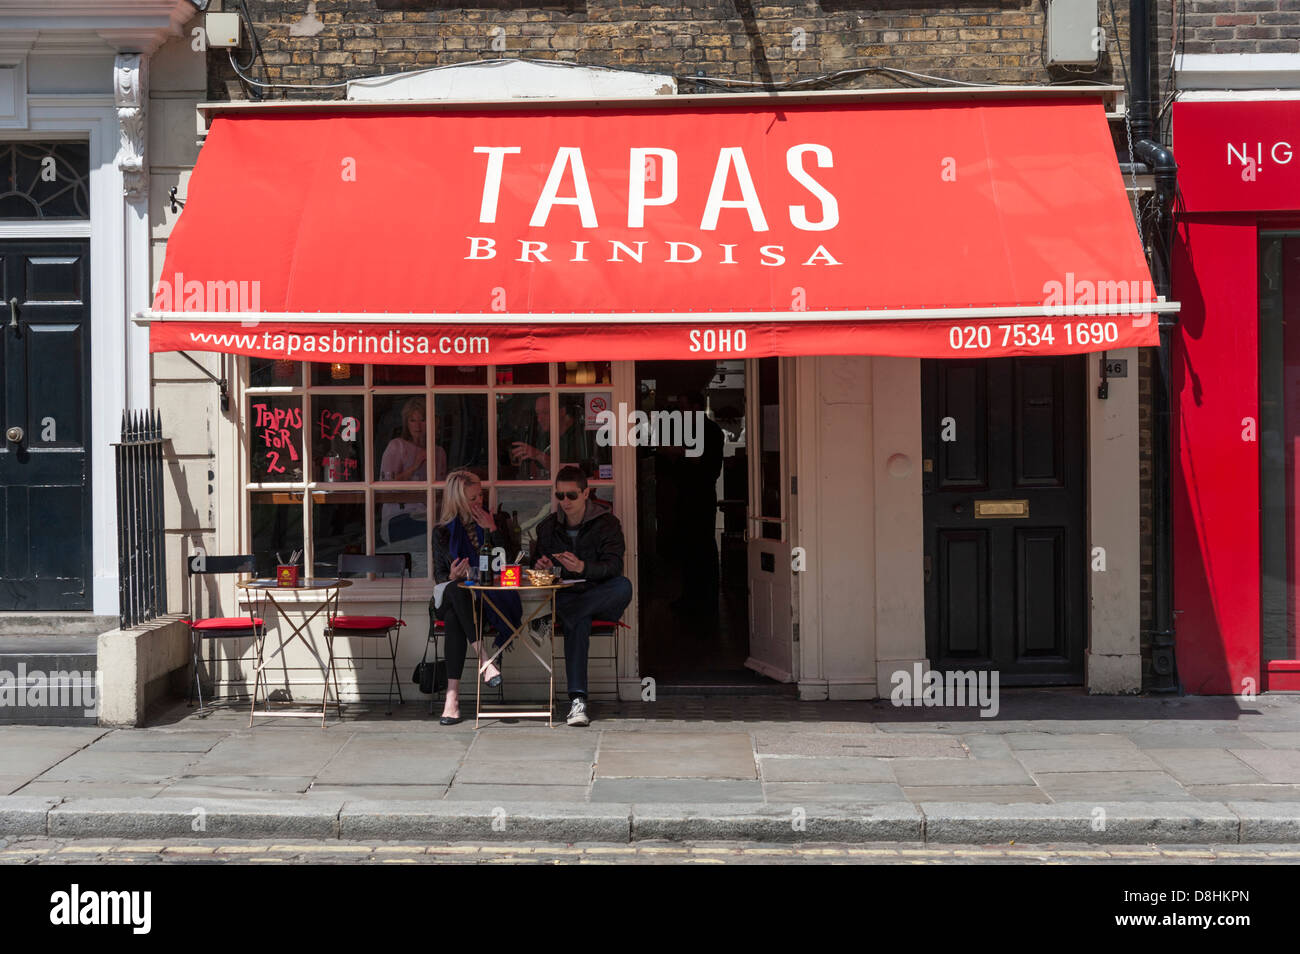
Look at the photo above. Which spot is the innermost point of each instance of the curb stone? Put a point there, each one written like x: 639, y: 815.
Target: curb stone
x: 1126, y: 823
x: 893, y: 821
x: 404, y: 820
x: 178, y: 818
x: 25, y: 814
x: 1184, y: 822
x: 1268, y: 821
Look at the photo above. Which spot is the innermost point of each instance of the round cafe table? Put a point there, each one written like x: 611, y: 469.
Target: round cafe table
x: 544, y: 598
x: 259, y: 593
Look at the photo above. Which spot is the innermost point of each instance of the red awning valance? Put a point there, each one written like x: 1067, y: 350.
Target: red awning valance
x: 932, y: 228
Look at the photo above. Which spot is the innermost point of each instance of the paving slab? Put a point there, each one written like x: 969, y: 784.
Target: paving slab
x: 998, y: 794
x: 1058, y: 741
x: 93, y: 765
x: 94, y: 789
x: 897, y: 821
x: 291, y: 751
x: 1205, y: 766
x: 524, y: 772
x: 1246, y: 793
x: 967, y: 772
x: 484, y: 821
x: 233, y: 786
x: 539, y: 743
x: 1108, y: 759
x: 795, y: 793
x: 1116, y: 823
x: 1194, y: 737
x: 987, y: 746
x: 158, y: 740
x: 1268, y: 821
x: 846, y: 769
x: 1109, y: 786
x: 845, y: 744
x: 1276, y: 740
x: 376, y: 792
x: 666, y: 755
x: 154, y: 818
x: 1275, y: 765
x: 393, y: 762
x: 516, y: 794
x: 677, y: 790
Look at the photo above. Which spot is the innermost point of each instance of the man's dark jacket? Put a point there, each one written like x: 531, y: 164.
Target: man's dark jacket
x: 599, y: 545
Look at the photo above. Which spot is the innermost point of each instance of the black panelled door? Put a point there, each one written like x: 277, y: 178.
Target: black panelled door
x: 45, y: 426
x: 1004, y: 476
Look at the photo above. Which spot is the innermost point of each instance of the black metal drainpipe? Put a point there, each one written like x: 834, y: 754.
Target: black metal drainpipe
x: 1160, y: 160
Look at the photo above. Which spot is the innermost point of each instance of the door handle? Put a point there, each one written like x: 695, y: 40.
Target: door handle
x: 13, y: 313
x: 15, y: 434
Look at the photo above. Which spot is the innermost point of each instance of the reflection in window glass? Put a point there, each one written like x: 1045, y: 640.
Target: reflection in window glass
x: 511, y: 374
x: 402, y: 526
x: 337, y: 374
x: 460, y: 432
x: 525, y: 508
x: 385, y: 375
x: 401, y: 439
x: 586, y: 372
x: 336, y: 437
x: 277, y: 373
x: 275, y: 521
x: 459, y: 376
x: 524, y: 436
x: 577, y: 435
x: 338, y: 523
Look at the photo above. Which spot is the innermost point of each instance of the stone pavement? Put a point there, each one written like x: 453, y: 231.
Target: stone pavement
x: 1053, y: 766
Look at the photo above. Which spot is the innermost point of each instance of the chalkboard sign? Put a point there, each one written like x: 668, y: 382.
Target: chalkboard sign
x: 275, y: 447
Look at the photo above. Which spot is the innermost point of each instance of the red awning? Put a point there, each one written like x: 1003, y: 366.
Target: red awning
x: 934, y: 228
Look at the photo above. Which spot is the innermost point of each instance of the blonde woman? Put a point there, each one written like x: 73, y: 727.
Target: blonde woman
x: 463, y: 526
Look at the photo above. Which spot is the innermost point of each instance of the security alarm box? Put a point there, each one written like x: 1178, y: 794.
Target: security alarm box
x: 222, y: 29
x: 1073, y: 34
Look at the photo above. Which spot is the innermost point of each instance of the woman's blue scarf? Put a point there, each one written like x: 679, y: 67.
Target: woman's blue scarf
x: 511, y: 607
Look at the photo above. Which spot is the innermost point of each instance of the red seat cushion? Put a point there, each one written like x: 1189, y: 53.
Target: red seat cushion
x: 227, y: 622
x: 367, y: 622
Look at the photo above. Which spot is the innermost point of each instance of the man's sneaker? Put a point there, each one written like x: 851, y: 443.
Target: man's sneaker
x: 578, y: 713
x: 539, y: 630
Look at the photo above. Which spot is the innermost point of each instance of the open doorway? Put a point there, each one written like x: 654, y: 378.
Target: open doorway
x: 691, y: 514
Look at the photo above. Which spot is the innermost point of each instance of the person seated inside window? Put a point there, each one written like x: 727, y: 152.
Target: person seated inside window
x: 584, y: 542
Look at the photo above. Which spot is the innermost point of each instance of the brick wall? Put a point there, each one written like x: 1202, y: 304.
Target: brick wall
x: 1240, y: 26
x: 736, y: 39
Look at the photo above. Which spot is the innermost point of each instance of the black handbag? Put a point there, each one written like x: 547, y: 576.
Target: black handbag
x: 431, y: 677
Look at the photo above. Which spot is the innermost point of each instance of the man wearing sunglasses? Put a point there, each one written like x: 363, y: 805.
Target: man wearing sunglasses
x: 584, y: 543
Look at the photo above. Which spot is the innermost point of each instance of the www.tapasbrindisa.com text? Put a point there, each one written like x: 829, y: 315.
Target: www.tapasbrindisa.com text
x: 334, y: 343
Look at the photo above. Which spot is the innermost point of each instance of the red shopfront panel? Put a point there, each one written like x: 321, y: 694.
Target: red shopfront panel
x: 1216, y: 459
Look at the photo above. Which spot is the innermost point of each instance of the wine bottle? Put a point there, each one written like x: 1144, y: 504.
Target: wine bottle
x: 485, y: 564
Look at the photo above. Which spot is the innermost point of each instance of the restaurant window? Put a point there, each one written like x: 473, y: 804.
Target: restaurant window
x: 352, y: 458
x: 1279, y: 435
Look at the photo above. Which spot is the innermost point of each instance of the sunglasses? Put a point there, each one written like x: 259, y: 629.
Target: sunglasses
x: 567, y: 494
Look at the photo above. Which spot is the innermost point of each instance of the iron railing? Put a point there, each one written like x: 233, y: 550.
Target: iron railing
x: 141, y: 548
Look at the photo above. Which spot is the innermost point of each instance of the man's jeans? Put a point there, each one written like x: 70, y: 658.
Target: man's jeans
x: 606, y: 600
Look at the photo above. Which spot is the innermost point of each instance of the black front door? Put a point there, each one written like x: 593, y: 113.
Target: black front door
x: 45, y: 425
x: 1004, y: 481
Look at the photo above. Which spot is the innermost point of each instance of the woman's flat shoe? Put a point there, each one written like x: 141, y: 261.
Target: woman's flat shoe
x: 449, y: 720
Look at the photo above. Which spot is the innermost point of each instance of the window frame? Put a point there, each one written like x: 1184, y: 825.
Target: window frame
x: 309, y: 489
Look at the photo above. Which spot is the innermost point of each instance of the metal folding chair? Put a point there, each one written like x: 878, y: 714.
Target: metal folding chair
x: 217, y: 627
x: 375, y: 627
